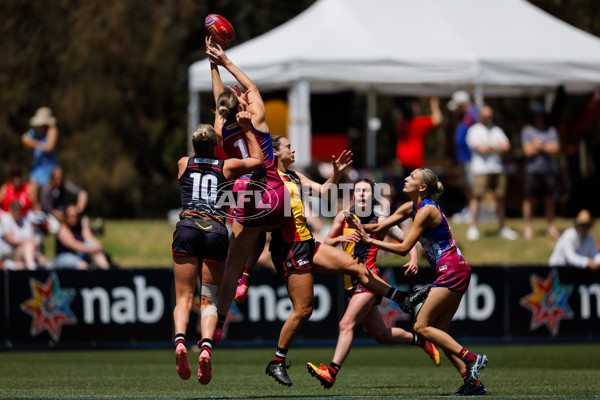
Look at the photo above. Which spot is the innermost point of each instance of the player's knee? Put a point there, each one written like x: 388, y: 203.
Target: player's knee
x: 421, y: 329
x: 304, y: 312
x: 360, y: 273
x: 209, y: 300
x: 382, y: 337
x: 346, y: 325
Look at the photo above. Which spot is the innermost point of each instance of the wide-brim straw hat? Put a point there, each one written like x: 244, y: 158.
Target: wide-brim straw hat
x: 584, y: 218
x: 43, y: 116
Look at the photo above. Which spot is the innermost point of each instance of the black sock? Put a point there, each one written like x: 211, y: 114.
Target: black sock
x: 418, y: 341
x: 221, y: 321
x: 280, y: 355
x: 394, y: 294
x: 334, y: 369
x: 179, y: 338
x: 207, y: 345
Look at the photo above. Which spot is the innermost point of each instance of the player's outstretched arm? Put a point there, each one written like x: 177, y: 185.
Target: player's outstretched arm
x: 256, y: 105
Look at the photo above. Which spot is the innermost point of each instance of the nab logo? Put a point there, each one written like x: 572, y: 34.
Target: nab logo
x: 50, y: 305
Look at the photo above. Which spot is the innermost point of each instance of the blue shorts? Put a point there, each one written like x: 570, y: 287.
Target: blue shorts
x: 68, y: 260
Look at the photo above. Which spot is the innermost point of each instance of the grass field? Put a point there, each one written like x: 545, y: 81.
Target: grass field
x: 513, y: 371
x: 147, y: 243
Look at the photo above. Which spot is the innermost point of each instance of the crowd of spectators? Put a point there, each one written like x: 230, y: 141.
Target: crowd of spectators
x: 46, y: 204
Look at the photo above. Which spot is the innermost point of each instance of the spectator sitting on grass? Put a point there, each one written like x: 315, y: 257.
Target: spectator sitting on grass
x: 19, y: 248
x: 58, y: 193
x: 76, y: 246
x: 16, y: 188
x: 576, y: 247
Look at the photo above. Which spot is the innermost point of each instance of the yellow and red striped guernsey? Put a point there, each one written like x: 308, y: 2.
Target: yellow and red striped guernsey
x: 295, y: 228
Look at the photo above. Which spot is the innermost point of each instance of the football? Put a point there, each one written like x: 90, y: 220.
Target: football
x: 220, y: 30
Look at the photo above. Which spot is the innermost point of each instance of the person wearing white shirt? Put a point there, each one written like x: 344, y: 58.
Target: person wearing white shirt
x: 488, y: 142
x: 18, y: 246
x: 576, y: 246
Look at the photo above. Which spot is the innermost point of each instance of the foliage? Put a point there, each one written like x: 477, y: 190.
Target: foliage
x: 115, y: 74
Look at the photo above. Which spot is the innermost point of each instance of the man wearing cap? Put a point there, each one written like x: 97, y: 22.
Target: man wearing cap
x: 42, y: 137
x: 460, y: 102
x: 576, y: 247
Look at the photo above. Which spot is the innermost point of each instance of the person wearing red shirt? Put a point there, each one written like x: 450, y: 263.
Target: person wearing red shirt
x: 412, y: 130
x: 15, y: 189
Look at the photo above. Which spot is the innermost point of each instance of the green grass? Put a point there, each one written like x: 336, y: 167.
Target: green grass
x: 147, y: 243
x: 537, y: 371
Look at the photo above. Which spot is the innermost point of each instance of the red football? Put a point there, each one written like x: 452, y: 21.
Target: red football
x: 220, y: 30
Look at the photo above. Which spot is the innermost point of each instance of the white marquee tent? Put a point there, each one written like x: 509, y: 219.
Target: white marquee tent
x: 411, y: 47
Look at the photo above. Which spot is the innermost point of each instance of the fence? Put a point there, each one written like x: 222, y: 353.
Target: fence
x: 133, y: 308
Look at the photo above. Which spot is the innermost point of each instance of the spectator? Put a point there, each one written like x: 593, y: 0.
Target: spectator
x: 58, y: 193
x: 487, y: 143
x: 76, y: 246
x: 461, y: 103
x: 42, y: 137
x: 576, y: 247
x: 15, y: 189
x: 541, y: 146
x: 18, y: 247
x: 412, y: 129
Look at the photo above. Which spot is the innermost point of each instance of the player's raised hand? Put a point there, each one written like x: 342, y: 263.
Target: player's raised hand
x: 241, y: 96
x: 340, y: 163
x: 215, y: 52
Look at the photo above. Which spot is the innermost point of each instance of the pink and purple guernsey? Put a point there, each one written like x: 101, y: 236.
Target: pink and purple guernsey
x: 442, y: 252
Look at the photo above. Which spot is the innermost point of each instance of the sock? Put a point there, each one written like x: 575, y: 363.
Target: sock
x: 207, y: 345
x: 334, y: 369
x: 466, y: 355
x: 221, y: 321
x: 245, y: 276
x: 179, y: 338
x: 393, y: 294
x: 418, y: 341
x: 280, y: 355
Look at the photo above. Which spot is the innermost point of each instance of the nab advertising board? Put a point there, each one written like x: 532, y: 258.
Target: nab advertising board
x: 81, y: 307
x: 134, y: 307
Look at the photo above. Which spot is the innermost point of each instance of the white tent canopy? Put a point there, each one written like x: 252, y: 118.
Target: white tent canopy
x: 425, y: 47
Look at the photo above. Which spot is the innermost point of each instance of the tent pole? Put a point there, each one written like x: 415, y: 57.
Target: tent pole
x: 479, y: 95
x: 372, y: 128
x: 299, y: 129
x: 193, y: 117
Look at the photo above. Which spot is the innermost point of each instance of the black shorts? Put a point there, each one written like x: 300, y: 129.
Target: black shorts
x: 290, y: 256
x: 205, y: 238
x: 540, y: 185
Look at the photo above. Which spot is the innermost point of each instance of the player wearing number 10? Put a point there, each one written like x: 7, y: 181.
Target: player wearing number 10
x: 200, y: 241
